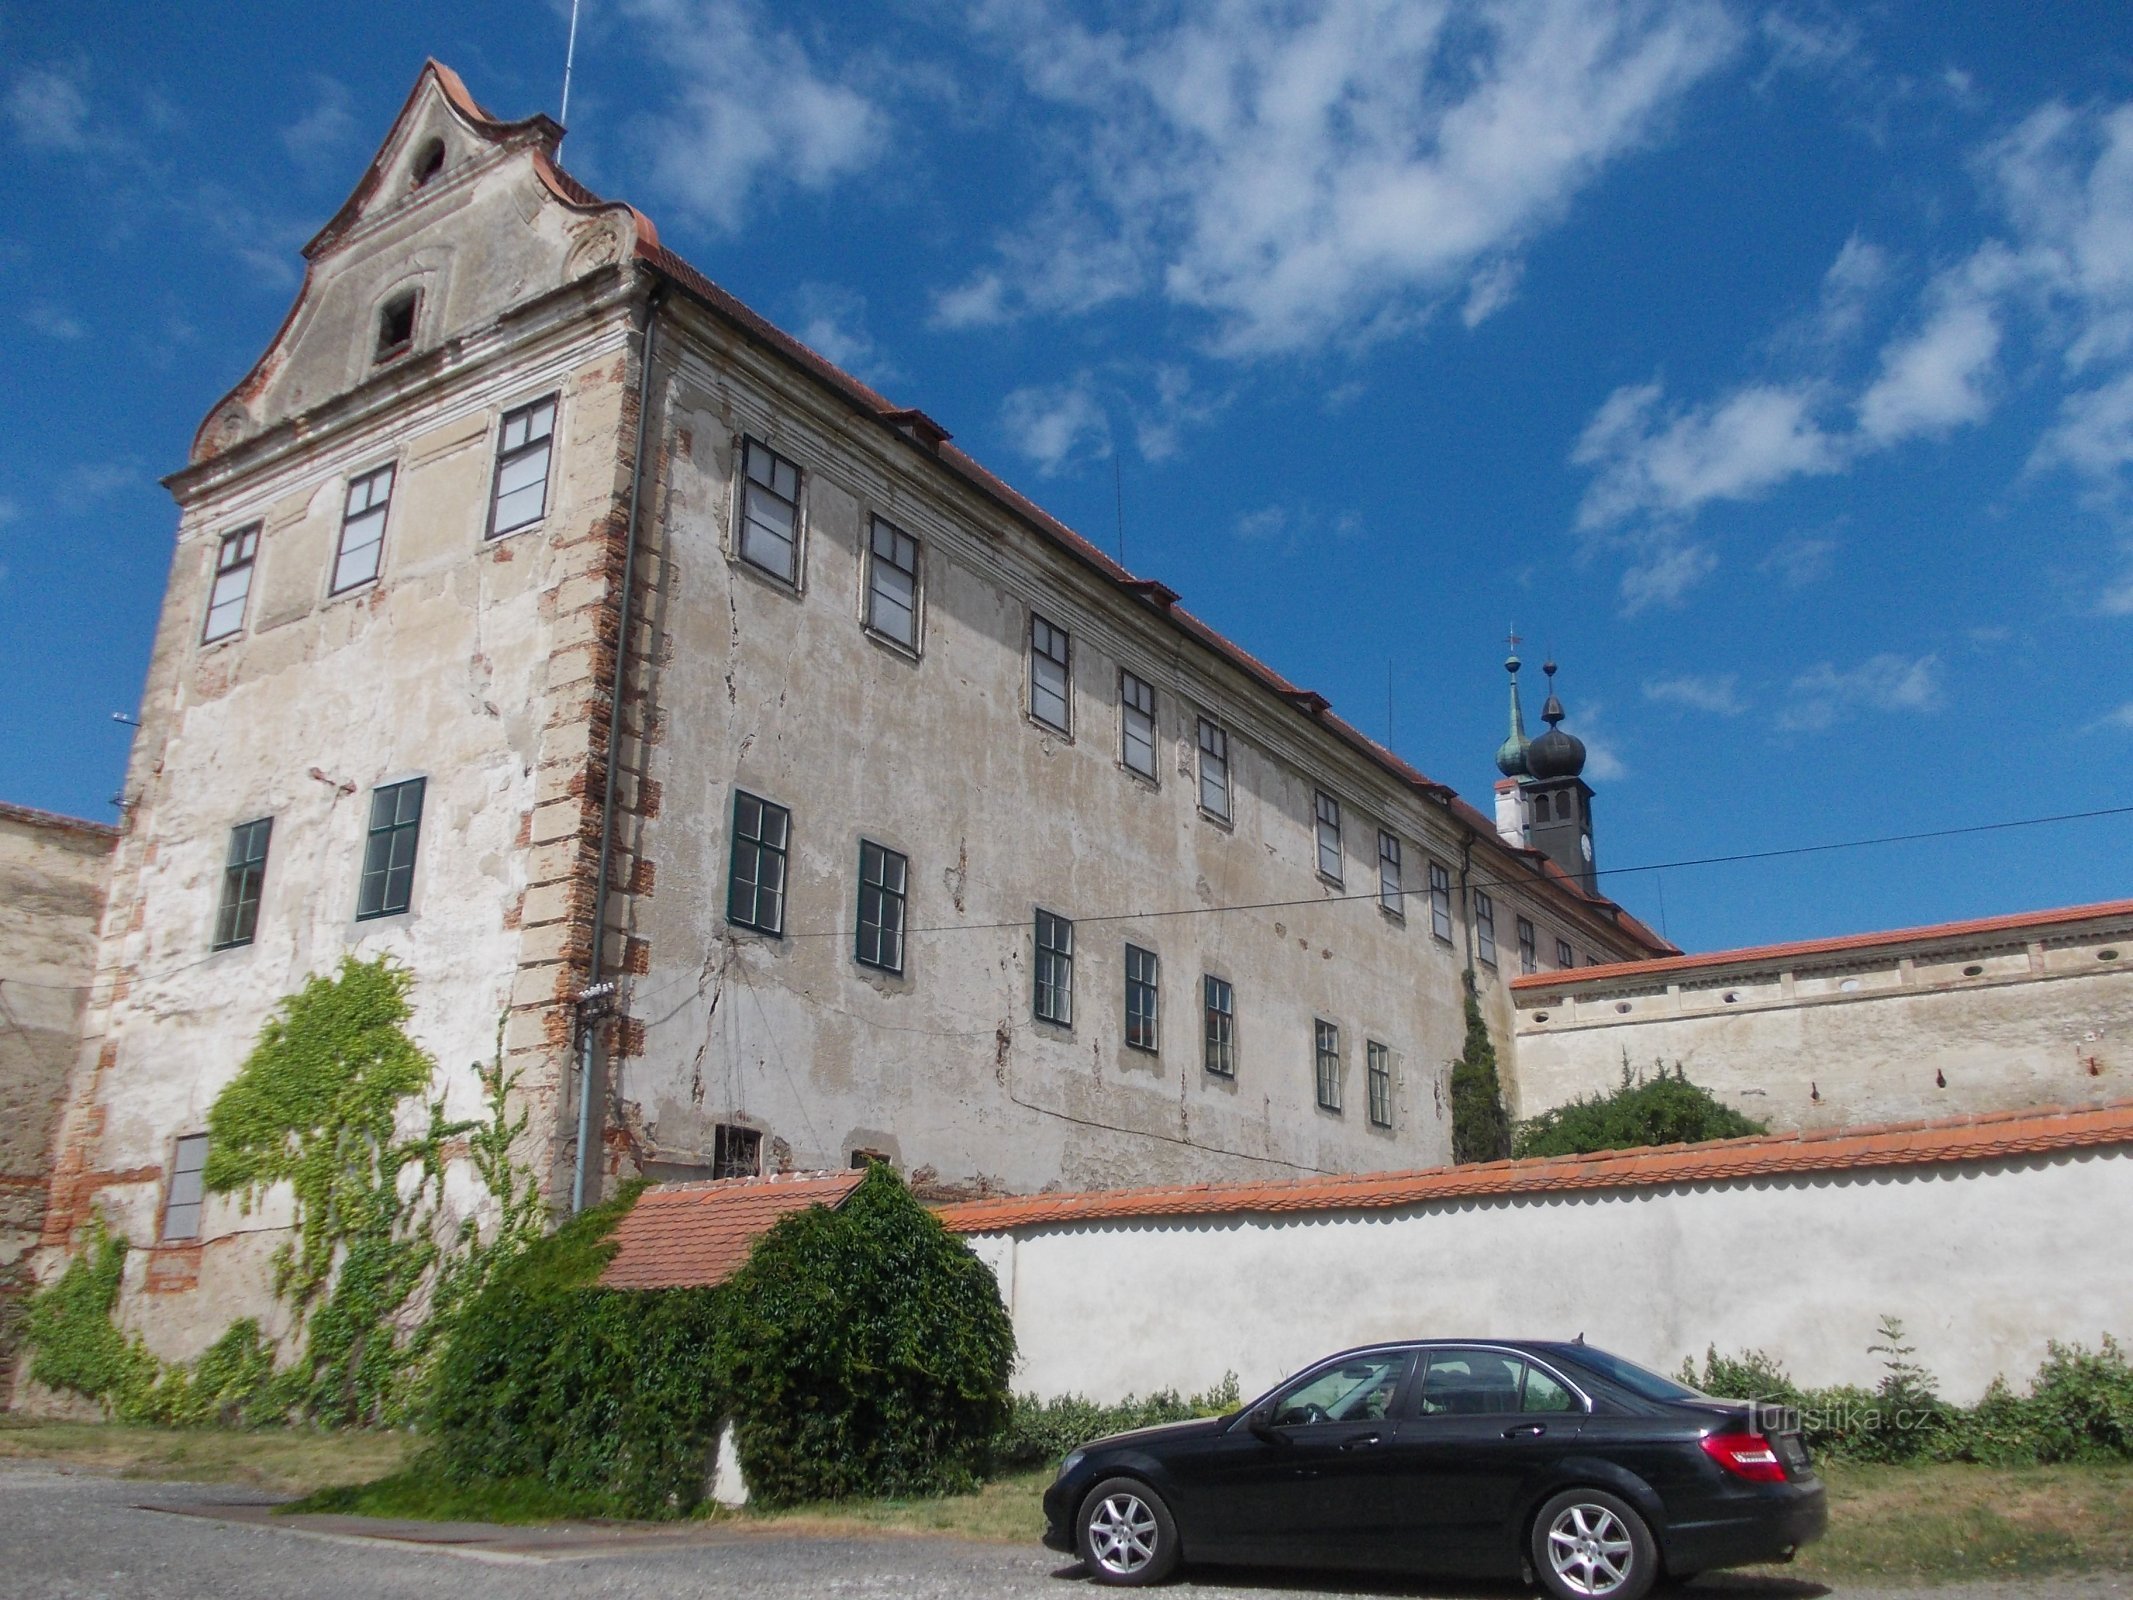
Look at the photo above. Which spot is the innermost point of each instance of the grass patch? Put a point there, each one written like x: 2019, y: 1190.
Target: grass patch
x: 1008, y: 1510
x: 1953, y: 1521
x: 282, y: 1460
x: 420, y: 1493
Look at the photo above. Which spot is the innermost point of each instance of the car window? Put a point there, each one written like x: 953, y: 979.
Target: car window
x: 1544, y: 1392
x: 1360, y: 1390
x: 1471, y: 1383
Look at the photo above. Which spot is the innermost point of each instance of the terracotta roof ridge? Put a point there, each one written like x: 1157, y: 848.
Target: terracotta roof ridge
x: 39, y: 817
x: 1968, y: 1138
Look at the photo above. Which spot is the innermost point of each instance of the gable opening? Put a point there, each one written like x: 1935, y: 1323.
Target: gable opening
x: 396, y: 325
x: 429, y: 161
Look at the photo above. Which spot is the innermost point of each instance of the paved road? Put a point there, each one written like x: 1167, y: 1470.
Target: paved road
x: 77, y: 1536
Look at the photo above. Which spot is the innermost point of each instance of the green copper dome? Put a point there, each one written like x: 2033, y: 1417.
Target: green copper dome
x: 1511, y: 754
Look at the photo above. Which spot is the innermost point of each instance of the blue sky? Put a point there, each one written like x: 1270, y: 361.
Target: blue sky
x: 1772, y: 366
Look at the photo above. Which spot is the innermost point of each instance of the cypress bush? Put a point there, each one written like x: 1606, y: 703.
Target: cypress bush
x: 867, y: 1350
x: 1481, y: 1128
x: 1664, y: 1108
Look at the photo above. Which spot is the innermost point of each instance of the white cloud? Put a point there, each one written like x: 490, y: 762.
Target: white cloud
x: 1493, y: 288
x: 1159, y: 423
x: 1825, y: 695
x: 1330, y: 171
x: 1799, y: 561
x: 832, y: 322
x: 85, y: 487
x: 53, y: 321
x: 1268, y: 522
x: 2120, y: 719
x: 1935, y: 379
x: 316, y: 139
x: 1715, y: 692
x: 48, y: 111
x: 1669, y: 466
x: 749, y: 111
x: 1057, y: 425
x: 1664, y: 575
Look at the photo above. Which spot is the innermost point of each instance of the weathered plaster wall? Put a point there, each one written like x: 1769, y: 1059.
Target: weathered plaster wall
x: 1928, y: 1029
x: 1984, y: 1263
x: 52, y: 875
x: 781, y: 691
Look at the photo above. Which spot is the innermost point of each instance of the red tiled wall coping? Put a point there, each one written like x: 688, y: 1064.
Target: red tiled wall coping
x: 694, y: 1235
x: 1897, y: 1144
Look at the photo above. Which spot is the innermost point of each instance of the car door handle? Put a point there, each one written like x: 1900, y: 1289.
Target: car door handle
x: 1526, y: 1430
x: 1361, y: 1442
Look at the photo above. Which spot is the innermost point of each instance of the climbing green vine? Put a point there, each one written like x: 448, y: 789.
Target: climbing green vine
x: 371, y: 1278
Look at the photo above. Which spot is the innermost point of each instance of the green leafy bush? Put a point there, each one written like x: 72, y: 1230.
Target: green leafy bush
x: 75, y: 1345
x: 1040, y: 1432
x: 610, y: 1398
x: 1481, y: 1128
x: 867, y: 1352
x: 1664, y: 1108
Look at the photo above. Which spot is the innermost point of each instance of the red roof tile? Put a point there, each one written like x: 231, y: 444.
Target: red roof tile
x: 1983, y: 1138
x: 694, y: 1235
x: 1755, y: 955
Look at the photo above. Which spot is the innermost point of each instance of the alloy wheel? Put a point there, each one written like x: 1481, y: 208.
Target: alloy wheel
x: 1590, y: 1550
x: 1122, y: 1534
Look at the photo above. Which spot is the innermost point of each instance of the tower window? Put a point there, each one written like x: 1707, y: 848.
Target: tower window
x: 1136, y: 712
x: 1565, y: 957
x: 755, y: 883
x: 1528, y: 959
x: 1485, y: 927
x: 519, y: 496
x: 233, y: 581
x: 1214, y: 770
x: 892, y: 584
x: 388, y: 884
x: 1050, y: 674
x: 428, y: 164
x: 770, y: 511
x: 237, y: 919
x: 1329, y: 838
x: 1440, y: 901
x: 396, y: 325
x: 363, y: 529
x: 1390, y: 895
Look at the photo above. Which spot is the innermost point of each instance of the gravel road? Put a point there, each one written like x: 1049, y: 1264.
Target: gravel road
x: 80, y: 1536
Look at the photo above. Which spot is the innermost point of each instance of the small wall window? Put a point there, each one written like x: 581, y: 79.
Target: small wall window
x: 362, y: 529
x: 181, y: 1209
x: 1326, y: 1048
x: 755, y: 888
x: 1214, y: 770
x: 233, y: 582
x: 770, y: 511
x: 1391, y: 896
x: 1054, y: 997
x: 1329, y: 838
x: 883, y: 874
x: 1143, y: 1000
x: 1485, y: 927
x: 1219, y: 1001
x: 429, y: 161
x: 245, y: 872
x: 1380, y: 1075
x: 396, y: 325
x: 389, y: 851
x: 1528, y: 956
x: 1136, y: 717
x: 1440, y: 901
x: 1051, y: 665
x: 892, y: 584
x: 524, y: 442
x: 1565, y: 957
x: 736, y: 1152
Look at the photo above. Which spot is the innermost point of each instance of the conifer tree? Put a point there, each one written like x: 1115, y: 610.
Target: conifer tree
x: 1481, y: 1129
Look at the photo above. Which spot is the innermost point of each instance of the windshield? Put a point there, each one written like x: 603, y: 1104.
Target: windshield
x: 1637, y: 1380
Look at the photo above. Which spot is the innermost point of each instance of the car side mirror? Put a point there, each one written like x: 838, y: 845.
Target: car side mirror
x: 1261, y: 1422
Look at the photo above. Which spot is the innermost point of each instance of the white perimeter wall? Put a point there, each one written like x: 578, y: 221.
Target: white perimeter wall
x: 1983, y: 1262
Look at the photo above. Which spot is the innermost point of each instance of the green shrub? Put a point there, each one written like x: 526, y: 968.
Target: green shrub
x: 1040, y: 1432
x: 1481, y: 1128
x: 75, y: 1345
x: 1663, y: 1109
x: 608, y: 1397
x: 867, y: 1351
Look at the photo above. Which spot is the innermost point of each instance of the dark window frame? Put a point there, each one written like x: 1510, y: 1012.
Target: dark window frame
x: 1378, y: 1071
x: 1392, y: 884
x: 509, y: 455
x: 1218, y: 1031
x: 736, y: 1151
x: 1144, y: 1000
x: 1440, y: 901
x: 244, y: 876
x: 1137, y: 699
x: 1052, y: 969
x: 1214, y: 748
x: 187, y: 1191
x: 351, y: 514
x: 880, y: 561
x: 393, y: 878
x: 1485, y: 927
x: 745, y: 501
x: 1528, y: 946
x: 1326, y: 1063
x: 752, y: 840
x: 889, y: 905
x: 1052, y: 644
x: 237, y: 555
x: 1325, y: 814
x: 1565, y: 957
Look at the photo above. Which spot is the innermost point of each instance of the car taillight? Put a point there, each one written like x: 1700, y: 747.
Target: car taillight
x: 1745, y: 1455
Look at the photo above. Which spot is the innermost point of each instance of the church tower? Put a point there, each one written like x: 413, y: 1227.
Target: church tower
x: 1558, y: 801
x: 1511, y: 762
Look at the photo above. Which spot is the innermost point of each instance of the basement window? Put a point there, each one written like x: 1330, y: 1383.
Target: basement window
x: 181, y: 1207
x: 396, y: 325
x: 736, y: 1152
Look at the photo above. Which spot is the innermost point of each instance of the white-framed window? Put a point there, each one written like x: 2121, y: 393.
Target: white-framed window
x: 1391, y: 896
x: 1328, y: 812
x: 1051, y: 674
x: 363, y: 529
x: 181, y: 1207
x: 234, y: 558
x: 1380, y: 1083
x: 892, y: 583
x: 518, y: 498
x: 1440, y: 901
x: 1326, y: 1053
x: 1136, y: 719
x: 1144, y: 1002
x: 1485, y: 926
x: 770, y: 511
x: 1214, y: 769
x: 1218, y: 1000
x: 1053, y: 1000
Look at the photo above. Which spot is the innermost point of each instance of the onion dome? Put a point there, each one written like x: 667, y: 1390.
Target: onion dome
x: 1511, y: 754
x: 1555, y: 754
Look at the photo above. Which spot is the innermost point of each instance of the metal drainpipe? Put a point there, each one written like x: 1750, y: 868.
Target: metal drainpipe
x: 588, y: 1026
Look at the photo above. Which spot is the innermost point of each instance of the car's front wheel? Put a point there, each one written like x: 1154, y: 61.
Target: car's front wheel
x: 1126, y: 1534
x: 1590, y: 1545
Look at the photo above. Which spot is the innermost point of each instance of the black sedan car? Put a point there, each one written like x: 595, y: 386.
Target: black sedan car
x: 1481, y: 1458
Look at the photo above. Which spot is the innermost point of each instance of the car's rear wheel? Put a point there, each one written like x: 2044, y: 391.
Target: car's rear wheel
x: 1126, y: 1534
x: 1590, y: 1545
